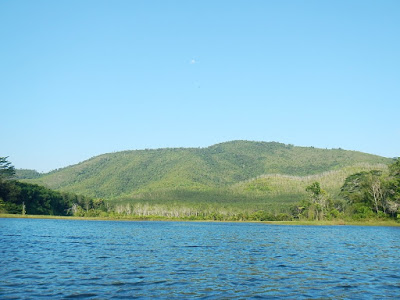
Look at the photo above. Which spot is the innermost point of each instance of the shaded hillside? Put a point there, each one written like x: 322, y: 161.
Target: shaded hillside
x: 218, y: 167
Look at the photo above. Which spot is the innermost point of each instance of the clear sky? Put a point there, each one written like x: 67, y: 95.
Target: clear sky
x: 83, y: 78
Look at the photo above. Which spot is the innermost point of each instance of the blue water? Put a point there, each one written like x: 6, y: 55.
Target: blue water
x: 61, y: 259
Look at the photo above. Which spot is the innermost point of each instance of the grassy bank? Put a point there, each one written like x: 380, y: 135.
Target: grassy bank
x: 370, y: 222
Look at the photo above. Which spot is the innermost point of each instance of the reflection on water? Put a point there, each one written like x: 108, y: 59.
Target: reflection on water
x: 99, y: 259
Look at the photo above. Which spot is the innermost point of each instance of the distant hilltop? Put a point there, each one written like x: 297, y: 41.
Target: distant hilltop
x: 132, y: 174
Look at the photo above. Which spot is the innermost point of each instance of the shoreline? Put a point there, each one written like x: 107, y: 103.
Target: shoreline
x: 388, y: 223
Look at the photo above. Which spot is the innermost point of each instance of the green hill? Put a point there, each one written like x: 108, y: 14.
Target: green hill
x: 233, y: 173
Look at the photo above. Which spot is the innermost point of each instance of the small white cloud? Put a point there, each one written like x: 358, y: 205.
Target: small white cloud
x: 193, y: 61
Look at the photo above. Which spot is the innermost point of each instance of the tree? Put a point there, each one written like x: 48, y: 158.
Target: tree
x: 7, y: 171
x: 318, y: 199
x: 394, y: 182
x: 354, y: 188
x: 393, y: 199
x: 368, y: 190
x: 395, y: 168
x: 376, y: 188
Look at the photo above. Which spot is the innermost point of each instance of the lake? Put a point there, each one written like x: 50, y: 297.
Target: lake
x: 115, y: 259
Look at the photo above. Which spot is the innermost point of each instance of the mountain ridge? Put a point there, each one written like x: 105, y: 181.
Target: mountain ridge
x: 219, y: 166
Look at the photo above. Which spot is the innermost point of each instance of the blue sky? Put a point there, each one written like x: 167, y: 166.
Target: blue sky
x: 82, y: 78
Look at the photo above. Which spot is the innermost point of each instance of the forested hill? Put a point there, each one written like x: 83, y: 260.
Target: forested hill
x: 197, y: 169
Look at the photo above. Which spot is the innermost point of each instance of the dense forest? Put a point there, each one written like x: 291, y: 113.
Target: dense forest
x: 348, y: 185
x: 24, y: 198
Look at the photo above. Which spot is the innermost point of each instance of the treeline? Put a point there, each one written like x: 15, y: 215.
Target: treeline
x: 194, y: 212
x: 23, y: 198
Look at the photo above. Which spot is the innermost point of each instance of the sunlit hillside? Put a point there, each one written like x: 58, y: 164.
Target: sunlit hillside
x: 237, y: 172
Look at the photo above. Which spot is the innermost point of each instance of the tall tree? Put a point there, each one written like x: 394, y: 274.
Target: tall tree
x: 395, y: 168
x: 369, y: 189
x: 377, y: 189
x: 7, y: 170
x: 318, y: 198
x: 393, y: 201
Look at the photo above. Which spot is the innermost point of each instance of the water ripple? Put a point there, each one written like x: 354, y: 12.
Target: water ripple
x: 103, y: 260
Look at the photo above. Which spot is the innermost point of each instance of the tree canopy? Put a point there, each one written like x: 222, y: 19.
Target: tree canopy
x: 374, y: 191
x: 7, y: 170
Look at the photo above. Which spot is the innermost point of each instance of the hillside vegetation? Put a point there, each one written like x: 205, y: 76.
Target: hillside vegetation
x: 235, y: 174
